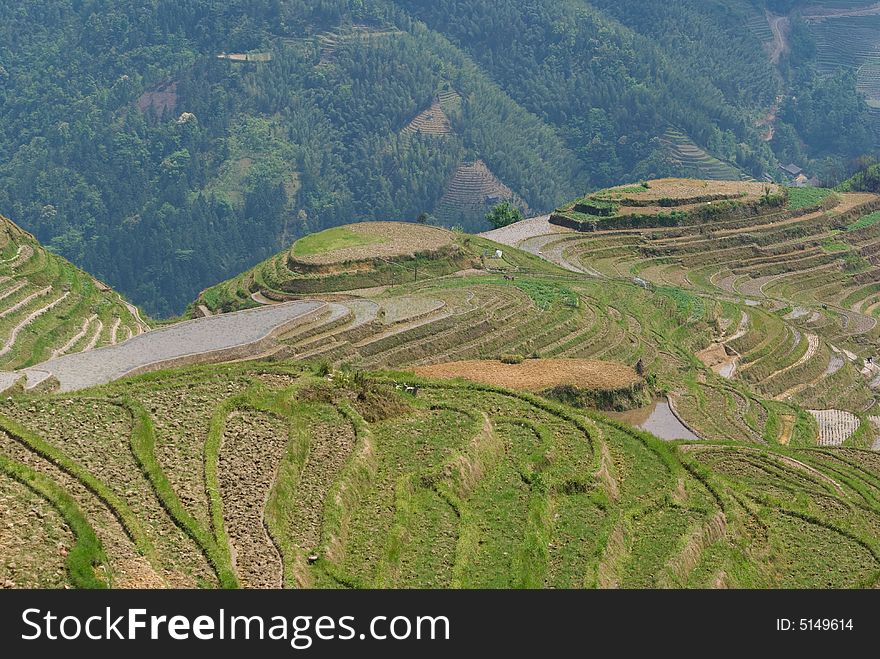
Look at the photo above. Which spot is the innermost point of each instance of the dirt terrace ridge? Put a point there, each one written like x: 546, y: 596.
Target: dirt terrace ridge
x: 216, y: 338
x: 537, y: 374
x: 685, y: 189
x: 398, y: 239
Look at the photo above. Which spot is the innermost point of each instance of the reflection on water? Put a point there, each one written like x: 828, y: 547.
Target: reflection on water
x: 656, y: 419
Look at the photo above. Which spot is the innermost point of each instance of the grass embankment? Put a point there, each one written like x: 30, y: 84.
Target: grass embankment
x: 56, y: 456
x: 86, y: 560
x: 143, y: 444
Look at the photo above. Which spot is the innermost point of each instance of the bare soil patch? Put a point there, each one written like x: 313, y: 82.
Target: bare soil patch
x: 34, y: 539
x: 787, y: 429
x: 159, y: 99
x: 514, y: 234
x: 716, y: 358
x: 252, y: 447
x: 537, y: 374
x: 683, y: 189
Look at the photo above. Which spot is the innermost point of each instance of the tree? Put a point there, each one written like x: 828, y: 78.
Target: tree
x: 423, y: 218
x: 503, y: 214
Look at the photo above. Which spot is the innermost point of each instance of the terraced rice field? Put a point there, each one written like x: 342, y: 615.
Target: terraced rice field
x: 359, y: 256
x: 330, y: 42
x: 48, y: 307
x: 835, y: 426
x: 846, y: 41
x: 796, y: 320
x: 473, y: 188
x: 217, y: 338
x: 655, y: 299
x: 307, y: 480
x: 869, y: 81
x: 696, y: 162
x: 432, y: 121
x: 669, y: 202
x: 847, y: 36
x: 367, y: 241
x: 537, y: 374
x: 343, y: 462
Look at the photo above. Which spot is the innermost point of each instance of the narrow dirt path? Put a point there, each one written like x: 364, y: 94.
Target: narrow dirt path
x: 257, y: 297
x: 768, y: 121
x: 15, y: 256
x: 12, y: 289
x: 63, y: 350
x: 780, y: 26
x: 741, y: 330
x: 24, y: 302
x: 553, y: 248
x: 835, y: 363
x: 791, y: 462
x: 99, y: 327
x: 23, y: 256
x: 141, y: 326
x: 812, y: 348
x: 27, y: 321
x: 114, y: 330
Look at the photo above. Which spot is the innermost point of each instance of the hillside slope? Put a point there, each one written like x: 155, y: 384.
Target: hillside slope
x: 755, y: 308
x: 199, y: 139
x: 50, y: 308
x: 750, y: 329
x: 365, y: 486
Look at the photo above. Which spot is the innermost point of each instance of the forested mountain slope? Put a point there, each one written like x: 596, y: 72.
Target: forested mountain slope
x: 169, y: 146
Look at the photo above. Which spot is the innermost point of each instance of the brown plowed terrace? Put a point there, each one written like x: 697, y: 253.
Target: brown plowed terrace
x: 537, y: 374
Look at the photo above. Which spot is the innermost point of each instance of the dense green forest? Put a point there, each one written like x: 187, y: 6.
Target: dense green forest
x: 134, y: 150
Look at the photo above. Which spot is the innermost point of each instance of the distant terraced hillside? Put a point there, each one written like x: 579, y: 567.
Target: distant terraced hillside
x: 329, y: 42
x: 696, y: 161
x: 435, y: 120
x: 668, y: 202
x: 432, y: 121
x: 847, y: 33
x: 847, y: 36
x: 49, y: 308
x: 474, y: 188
